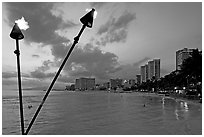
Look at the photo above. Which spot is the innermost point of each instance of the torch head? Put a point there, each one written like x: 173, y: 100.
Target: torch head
x: 88, y: 18
x: 16, y: 33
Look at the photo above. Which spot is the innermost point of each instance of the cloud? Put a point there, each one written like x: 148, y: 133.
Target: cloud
x: 35, y: 56
x: 144, y: 60
x: 88, y: 61
x: 12, y: 74
x: 10, y: 79
x: 9, y: 74
x: 127, y: 71
x: 46, y: 66
x: 40, y: 19
x: 115, y: 30
x: 97, y: 5
x: 41, y: 75
x: 37, y: 79
x: 41, y: 72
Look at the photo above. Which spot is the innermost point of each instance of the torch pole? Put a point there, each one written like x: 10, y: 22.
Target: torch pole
x: 17, y: 52
x: 76, y: 39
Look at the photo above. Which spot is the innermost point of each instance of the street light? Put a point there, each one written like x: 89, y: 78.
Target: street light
x: 18, y: 35
x: 87, y: 21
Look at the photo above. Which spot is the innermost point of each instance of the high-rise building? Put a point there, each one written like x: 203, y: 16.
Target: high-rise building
x: 146, y: 72
x: 85, y: 83
x: 138, y: 79
x: 150, y: 70
x: 131, y: 82
x: 90, y: 83
x: 128, y: 83
x: 181, y: 55
x: 157, y: 68
x: 154, y: 69
x: 77, y: 84
x: 143, y: 73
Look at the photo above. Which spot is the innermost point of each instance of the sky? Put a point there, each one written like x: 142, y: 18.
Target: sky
x: 124, y: 36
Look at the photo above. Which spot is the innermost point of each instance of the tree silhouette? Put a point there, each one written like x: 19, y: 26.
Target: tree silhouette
x: 190, y: 74
x: 192, y: 66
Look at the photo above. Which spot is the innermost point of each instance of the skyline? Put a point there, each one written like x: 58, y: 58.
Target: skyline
x: 124, y: 36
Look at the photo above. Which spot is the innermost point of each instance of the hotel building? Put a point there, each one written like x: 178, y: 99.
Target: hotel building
x: 85, y: 83
x: 181, y: 55
x: 138, y: 79
x: 143, y: 73
x: 150, y: 70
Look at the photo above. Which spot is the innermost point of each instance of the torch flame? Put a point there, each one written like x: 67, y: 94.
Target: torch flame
x: 95, y: 12
x: 22, y: 24
x: 87, y: 10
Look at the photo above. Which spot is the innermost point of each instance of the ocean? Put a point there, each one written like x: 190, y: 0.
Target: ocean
x: 101, y: 113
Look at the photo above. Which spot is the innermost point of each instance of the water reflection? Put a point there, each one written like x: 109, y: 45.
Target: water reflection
x: 185, y: 106
x: 163, y: 107
x: 182, y: 110
x: 163, y: 102
x: 176, y: 114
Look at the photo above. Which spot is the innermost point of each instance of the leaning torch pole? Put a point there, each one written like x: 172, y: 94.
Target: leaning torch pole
x: 87, y: 21
x: 17, y: 35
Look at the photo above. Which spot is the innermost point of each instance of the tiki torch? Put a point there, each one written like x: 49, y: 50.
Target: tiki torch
x: 87, y: 21
x: 18, y: 35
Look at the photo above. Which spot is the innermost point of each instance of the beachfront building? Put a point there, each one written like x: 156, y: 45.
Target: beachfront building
x: 129, y: 83
x: 150, y: 70
x: 138, y: 79
x: 181, y: 55
x: 90, y: 83
x: 146, y: 72
x: 85, y: 84
x: 157, y: 69
x: 143, y: 73
x: 106, y: 85
x: 154, y: 69
x: 116, y: 83
x: 77, y: 84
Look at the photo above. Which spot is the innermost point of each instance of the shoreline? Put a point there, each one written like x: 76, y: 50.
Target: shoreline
x: 176, y: 98
x: 189, y: 101
x: 171, y: 96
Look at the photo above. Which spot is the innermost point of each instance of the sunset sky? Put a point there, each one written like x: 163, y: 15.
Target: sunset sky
x: 124, y: 37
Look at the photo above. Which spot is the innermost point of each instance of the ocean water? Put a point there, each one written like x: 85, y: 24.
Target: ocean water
x: 101, y: 113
